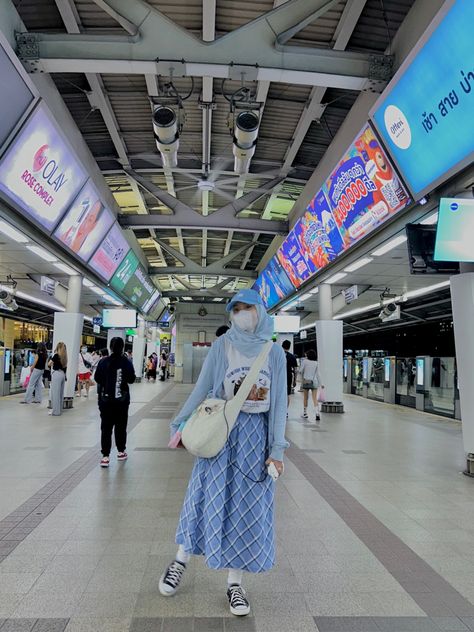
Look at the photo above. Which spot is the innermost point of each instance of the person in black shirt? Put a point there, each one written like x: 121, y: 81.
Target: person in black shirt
x: 291, y: 367
x: 35, y: 385
x: 58, y: 366
x: 113, y: 375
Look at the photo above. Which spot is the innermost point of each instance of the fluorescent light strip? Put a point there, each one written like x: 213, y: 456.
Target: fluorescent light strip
x: 66, y: 269
x: 44, y: 254
x: 360, y: 310
x: 426, y: 290
x: 33, y: 299
x: 314, y: 291
x: 288, y: 306
x: 305, y: 296
x: 97, y: 290
x: 11, y: 232
x: 431, y: 219
x: 335, y: 278
x: 358, y: 264
x: 390, y: 245
x: 87, y: 283
x: 308, y: 326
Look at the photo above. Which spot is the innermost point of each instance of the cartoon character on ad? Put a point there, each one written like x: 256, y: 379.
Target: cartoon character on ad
x: 321, y: 237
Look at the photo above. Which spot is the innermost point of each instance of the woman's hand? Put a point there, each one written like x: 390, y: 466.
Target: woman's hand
x: 278, y: 464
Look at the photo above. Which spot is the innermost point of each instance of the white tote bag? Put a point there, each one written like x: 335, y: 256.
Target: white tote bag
x: 208, y: 428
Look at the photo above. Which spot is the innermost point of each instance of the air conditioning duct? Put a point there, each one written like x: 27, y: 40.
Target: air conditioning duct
x: 245, y: 139
x: 165, y: 127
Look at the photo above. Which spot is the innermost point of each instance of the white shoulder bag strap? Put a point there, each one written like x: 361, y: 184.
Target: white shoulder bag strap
x: 234, y: 405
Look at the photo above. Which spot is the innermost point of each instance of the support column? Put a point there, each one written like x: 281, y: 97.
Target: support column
x: 68, y: 329
x: 462, y: 298
x: 151, y: 346
x: 138, y: 350
x: 329, y: 343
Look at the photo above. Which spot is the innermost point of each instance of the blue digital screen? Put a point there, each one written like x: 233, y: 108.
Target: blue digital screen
x: 273, y: 285
x: 455, y: 230
x: 426, y: 118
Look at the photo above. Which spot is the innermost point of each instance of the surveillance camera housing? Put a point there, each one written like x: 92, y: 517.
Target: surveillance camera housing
x: 165, y: 127
x: 8, y: 301
x: 245, y: 139
x: 390, y: 312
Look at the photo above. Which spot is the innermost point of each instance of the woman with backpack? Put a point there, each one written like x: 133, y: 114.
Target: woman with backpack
x: 311, y: 381
x: 113, y: 375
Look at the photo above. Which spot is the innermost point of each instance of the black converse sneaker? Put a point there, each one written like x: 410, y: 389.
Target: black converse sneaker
x: 171, y: 578
x: 238, y: 602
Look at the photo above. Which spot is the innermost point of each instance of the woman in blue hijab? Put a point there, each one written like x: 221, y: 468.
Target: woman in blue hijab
x: 227, y: 514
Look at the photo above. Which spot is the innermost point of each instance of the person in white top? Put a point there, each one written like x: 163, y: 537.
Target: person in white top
x: 84, y: 371
x: 311, y: 381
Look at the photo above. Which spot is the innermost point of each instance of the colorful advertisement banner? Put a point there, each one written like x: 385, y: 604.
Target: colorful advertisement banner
x: 85, y: 224
x: 40, y: 172
x: 273, y: 284
x: 110, y: 253
x: 362, y: 192
x: 425, y: 115
x: 139, y: 289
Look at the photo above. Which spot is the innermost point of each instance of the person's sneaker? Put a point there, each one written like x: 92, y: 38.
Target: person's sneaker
x: 171, y: 578
x: 304, y: 416
x: 318, y: 418
x: 105, y: 461
x: 238, y: 602
x: 122, y: 456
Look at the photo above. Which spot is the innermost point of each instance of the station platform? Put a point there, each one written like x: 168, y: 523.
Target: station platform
x: 375, y: 524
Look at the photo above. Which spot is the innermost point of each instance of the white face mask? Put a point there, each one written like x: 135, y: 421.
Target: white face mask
x: 84, y: 350
x: 246, y: 320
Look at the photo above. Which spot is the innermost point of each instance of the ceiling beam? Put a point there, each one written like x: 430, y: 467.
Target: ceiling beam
x: 215, y: 221
x: 314, y: 108
x: 136, y: 54
x: 196, y: 270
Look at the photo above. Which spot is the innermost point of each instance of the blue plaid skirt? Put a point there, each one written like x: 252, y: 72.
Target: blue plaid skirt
x: 225, y: 516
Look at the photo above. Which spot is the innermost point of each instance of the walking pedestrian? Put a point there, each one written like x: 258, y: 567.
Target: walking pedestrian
x: 58, y: 366
x: 113, y: 375
x: 291, y: 367
x: 228, y: 513
x: 35, y: 385
x: 311, y: 381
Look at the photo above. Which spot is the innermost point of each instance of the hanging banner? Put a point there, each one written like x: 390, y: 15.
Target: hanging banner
x: 273, y: 284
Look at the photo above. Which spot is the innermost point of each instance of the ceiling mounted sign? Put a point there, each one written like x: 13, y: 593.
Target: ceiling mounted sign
x: 425, y: 115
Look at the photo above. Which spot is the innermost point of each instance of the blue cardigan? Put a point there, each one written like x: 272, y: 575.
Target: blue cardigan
x: 211, y: 384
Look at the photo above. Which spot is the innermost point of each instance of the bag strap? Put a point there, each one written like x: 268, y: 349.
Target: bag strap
x: 238, y: 400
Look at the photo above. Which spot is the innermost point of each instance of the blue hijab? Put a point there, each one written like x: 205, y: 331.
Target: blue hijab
x: 250, y: 344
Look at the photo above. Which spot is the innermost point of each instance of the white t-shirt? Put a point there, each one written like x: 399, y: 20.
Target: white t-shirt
x: 81, y: 368
x: 258, y: 400
x: 310, y: 371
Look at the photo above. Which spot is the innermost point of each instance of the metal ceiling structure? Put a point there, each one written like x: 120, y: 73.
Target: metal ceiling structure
x: 304, y: 61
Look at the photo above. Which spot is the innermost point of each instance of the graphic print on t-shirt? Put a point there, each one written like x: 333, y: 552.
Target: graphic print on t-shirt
x: 258, y: 399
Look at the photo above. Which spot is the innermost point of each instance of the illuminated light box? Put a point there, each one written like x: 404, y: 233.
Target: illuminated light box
x: 273, y: 284
x: 425, y: 115
x: 125, y: 271
x: 151, y: 301
x: 85, y: 224
x: 110, y: 253
x: 361, y: 193
x: 286, y: 324
x: 455, y: 230
x: 119, y: 318
x: 39, y: 172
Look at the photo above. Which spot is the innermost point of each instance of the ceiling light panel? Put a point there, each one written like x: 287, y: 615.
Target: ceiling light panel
x: 11, y: 232
x: 44, y: 254
x: 390, y: 245
x: 66, y: 269
x: 358, y: 264
x: 335, y: 278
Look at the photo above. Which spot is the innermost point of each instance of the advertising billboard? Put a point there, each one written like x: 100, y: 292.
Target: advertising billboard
x: 110, y: 253
x: 139, y: 290
x: 39, y: 172
x: 424, y: 116
x: 85, y: 224
x: 362, y: 192
x: 125, y: 271
x: 119, y: 318
x: 273, y: 285
x: 151, y: 301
